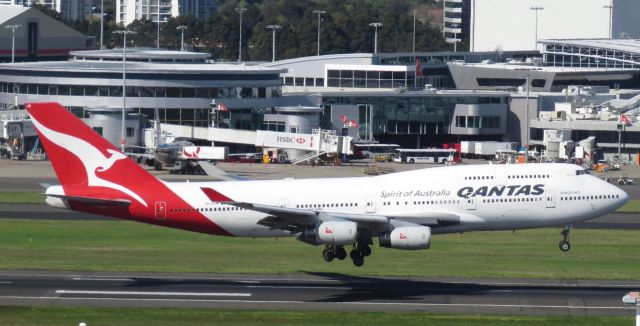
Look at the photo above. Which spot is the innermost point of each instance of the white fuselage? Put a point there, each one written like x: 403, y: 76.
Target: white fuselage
x: 480, y: 197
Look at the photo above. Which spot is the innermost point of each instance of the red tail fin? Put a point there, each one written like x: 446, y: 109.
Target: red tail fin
x: 86, y: 164
x: 93, y: 171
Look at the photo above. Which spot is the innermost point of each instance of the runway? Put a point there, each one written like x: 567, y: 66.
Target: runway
x: 315, y: 292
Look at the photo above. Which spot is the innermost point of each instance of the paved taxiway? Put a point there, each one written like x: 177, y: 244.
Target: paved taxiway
x: 315, y: 291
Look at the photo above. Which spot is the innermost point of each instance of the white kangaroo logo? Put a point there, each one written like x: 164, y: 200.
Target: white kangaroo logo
x: 92, y: 159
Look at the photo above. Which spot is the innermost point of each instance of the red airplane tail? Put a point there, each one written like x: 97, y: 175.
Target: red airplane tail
x: 86, y: 164
x: 97, y: 178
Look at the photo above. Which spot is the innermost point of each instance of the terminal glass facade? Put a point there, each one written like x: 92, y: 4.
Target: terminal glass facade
x: 351, y: 78
x: 410, y: 114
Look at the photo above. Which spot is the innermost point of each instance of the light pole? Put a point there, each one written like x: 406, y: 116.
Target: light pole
x: 273, y: 29
x: 123, y: 139
x: 240, y: 10
x: 101, y: 23
x: 158, y: 29
x: 414, y: 32
x: 455, y: 37
x: 444, y: 3
x: 375, y: 37
x: 526, y: 124
x: 181, y: 28
x: 13, y: 40
x: 319, y: 13
x: 536, y: 9
x: 610, y: 7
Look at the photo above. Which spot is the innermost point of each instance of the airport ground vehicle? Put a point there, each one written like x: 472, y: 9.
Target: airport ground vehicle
x: 430, y: 155
x: 402, y: 209
x: 374, y: 150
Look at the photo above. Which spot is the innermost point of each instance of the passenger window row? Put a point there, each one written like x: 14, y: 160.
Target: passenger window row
x: 327, y: 205
x: 508, y: 200
x: 424, y: 202
x: 206, y: 209
x: 479, y: 177
x: 590, y: 197
x: 528, y: 176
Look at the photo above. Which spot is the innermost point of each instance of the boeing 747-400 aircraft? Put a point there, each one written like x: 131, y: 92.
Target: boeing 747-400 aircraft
x: 401, y: 209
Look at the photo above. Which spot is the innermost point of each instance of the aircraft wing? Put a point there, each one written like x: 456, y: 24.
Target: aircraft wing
x: 213, y: 171
x: 296, y: 219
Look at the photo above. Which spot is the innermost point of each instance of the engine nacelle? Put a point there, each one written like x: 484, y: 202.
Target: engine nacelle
x: 331, y: 233
x: 408, y: 238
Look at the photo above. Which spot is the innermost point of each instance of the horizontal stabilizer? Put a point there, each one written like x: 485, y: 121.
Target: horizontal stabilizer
x: 92, y: 200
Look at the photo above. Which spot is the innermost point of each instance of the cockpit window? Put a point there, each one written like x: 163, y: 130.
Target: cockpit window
x: 579, y: 172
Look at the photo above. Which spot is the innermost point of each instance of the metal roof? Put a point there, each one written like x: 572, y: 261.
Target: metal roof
x: 9, y: 12
x: 623, y: 45
x: 139, y: 54
x: 116, y: 66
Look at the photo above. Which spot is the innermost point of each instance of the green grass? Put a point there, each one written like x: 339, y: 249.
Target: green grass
x: 632, y: 206
x: 128, y: 246
x: 18, y: 316
x: 21, y: 197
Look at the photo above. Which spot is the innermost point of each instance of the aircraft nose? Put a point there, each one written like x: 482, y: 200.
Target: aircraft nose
x: 622, y: 196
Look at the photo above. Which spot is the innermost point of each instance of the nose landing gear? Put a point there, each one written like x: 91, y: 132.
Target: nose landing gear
x: 564, y: 244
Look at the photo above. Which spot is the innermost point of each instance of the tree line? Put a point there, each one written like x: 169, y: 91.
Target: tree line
x: 344, y: 28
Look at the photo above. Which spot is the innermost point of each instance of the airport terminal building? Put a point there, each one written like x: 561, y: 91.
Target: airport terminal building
x: 181, y: 85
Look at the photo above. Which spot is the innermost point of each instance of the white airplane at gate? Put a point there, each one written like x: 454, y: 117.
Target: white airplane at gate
x: 402, y: 209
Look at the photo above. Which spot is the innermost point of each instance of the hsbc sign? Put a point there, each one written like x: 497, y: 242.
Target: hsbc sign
x: 290, y: 140
x: 286, y: 140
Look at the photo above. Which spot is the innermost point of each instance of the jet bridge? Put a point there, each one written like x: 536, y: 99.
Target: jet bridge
x: 319, y: 141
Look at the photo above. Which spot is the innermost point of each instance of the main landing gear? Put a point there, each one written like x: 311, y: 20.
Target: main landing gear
x: 564, y: 244
x: 331, y: 252
x: 360, y: 250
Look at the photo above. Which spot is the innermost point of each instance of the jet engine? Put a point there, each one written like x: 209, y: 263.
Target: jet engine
x: 408, y: 238
x: 331, y: 233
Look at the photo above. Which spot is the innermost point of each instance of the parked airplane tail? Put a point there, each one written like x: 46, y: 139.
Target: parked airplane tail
x: 96, y: 177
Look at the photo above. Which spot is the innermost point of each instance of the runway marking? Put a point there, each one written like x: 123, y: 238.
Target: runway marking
x: 259, y: 280
x: 185, y: 294
x: 300, y: 287
x: 415, y: 304
x: 5, y: 282
x: 107, y: 279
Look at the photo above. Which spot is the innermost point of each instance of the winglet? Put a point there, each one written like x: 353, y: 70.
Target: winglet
x: 215, y: 196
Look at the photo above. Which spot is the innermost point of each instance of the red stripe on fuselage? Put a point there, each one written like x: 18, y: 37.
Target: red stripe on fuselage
x: 215, y: 196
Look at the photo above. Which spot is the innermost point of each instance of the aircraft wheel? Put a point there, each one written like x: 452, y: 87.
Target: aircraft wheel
x: 366, y: 251
x: 328, y: 255
x: 358, y: 260
x: 341, y: 253
x: 564, y: 245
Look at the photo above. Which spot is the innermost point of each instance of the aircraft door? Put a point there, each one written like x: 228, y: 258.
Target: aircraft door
x: 161, y: 210
x: 283, y: 202
x: 550, y: 198
x: 370, y: 204
x: 471, y: 203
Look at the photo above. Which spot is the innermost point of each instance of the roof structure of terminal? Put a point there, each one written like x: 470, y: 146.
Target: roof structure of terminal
x: 140, y: 54
x: 141, y: 59
x: 625, y: 45
x: 9, y: 12
x: 602, y: 53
